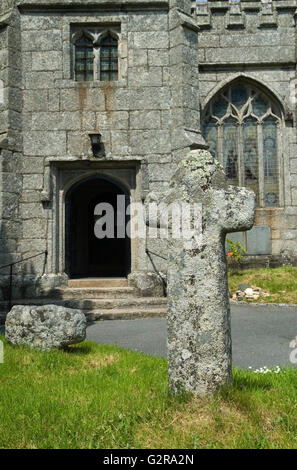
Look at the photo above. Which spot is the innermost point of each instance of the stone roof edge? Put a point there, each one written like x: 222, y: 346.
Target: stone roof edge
x: 90, y: 4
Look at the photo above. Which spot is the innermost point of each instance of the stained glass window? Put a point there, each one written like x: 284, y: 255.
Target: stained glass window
x: 219, y: 107
x: 211, y: 135
x: 270, y: 163
x: 242, y: 127
x: 251, y: 156
x: 259, y: 106
x: 109, y: 58
x: 230, y: 150
x: 84, y: 59
x: 239, y: 96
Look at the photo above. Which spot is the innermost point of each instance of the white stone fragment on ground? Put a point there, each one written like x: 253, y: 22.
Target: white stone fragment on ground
x: 250, y: 293
x: 45, y: 327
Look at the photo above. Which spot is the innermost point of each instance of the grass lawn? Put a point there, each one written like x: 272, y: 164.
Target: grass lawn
x: 95, y: 396
x: 281, y: 283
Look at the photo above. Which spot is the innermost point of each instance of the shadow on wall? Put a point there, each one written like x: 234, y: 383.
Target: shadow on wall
x: 1, y: 92
x: 6, y: 246
x: 18, y: 276
x: 25, y: 279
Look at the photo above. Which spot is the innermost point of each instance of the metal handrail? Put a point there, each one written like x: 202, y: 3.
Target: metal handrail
x: 153, y: 253
x: 24, y: 259
x: 164, y: 283
x: 10, y: 265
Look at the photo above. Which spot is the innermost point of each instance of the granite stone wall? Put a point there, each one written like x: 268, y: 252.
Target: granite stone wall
x: 132, y: 114
x: 148, y: 119
x: 10, y: 138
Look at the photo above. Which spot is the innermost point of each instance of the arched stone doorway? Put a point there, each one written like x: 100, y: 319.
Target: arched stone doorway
x: 87, y: 255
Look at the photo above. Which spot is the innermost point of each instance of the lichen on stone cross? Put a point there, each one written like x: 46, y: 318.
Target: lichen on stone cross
x: 198, y: 319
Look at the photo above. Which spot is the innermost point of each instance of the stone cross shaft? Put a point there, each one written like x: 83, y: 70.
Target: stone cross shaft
x: 198, y: 319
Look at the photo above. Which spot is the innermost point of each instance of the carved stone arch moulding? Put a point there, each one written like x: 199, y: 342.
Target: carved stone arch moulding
x: 80, y: 33
x: 261, y: 84
x: 103, y: 34
x: 104, y: 174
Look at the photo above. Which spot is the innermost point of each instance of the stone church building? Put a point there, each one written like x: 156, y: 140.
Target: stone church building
x: 101, y: 98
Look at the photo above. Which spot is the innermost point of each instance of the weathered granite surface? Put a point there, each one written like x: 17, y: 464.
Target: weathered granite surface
x: 45, y: 327
x: 47, y: 116
x: 149, y: 284
x: 198, y: 321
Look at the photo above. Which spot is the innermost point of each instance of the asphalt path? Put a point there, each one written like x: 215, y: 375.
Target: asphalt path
x: 261, y: 334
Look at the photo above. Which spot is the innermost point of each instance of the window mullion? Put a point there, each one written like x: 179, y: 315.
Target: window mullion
x: 240, y: 155
x: 96, y: 65
x: 220, y: 144
x: 85, y: 63
x: 109, y: 63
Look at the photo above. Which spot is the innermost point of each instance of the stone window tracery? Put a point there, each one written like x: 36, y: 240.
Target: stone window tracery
x: 95, y: 54
x: 242, y: 126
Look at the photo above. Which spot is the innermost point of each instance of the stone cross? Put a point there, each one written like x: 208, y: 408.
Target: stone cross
x: 198, y: 319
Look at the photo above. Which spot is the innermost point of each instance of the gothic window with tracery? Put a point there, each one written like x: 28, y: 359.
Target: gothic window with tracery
x: 242, y: 127
x: 95, y: 55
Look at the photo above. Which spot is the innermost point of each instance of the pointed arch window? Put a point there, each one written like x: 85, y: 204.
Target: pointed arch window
x: 95, y: 54
x: 242, y: 126
x: 109, y: 58
x: 84, y: 59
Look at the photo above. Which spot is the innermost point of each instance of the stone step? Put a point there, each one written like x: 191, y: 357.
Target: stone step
x: 98, y: 283
x: 122, y: 314
x: 95, y: 304
x: 95, y: 293
x: 102, y: 309
x: 116, y: 314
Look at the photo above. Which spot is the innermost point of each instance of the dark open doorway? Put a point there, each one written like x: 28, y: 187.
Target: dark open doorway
x: 87, y: 255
